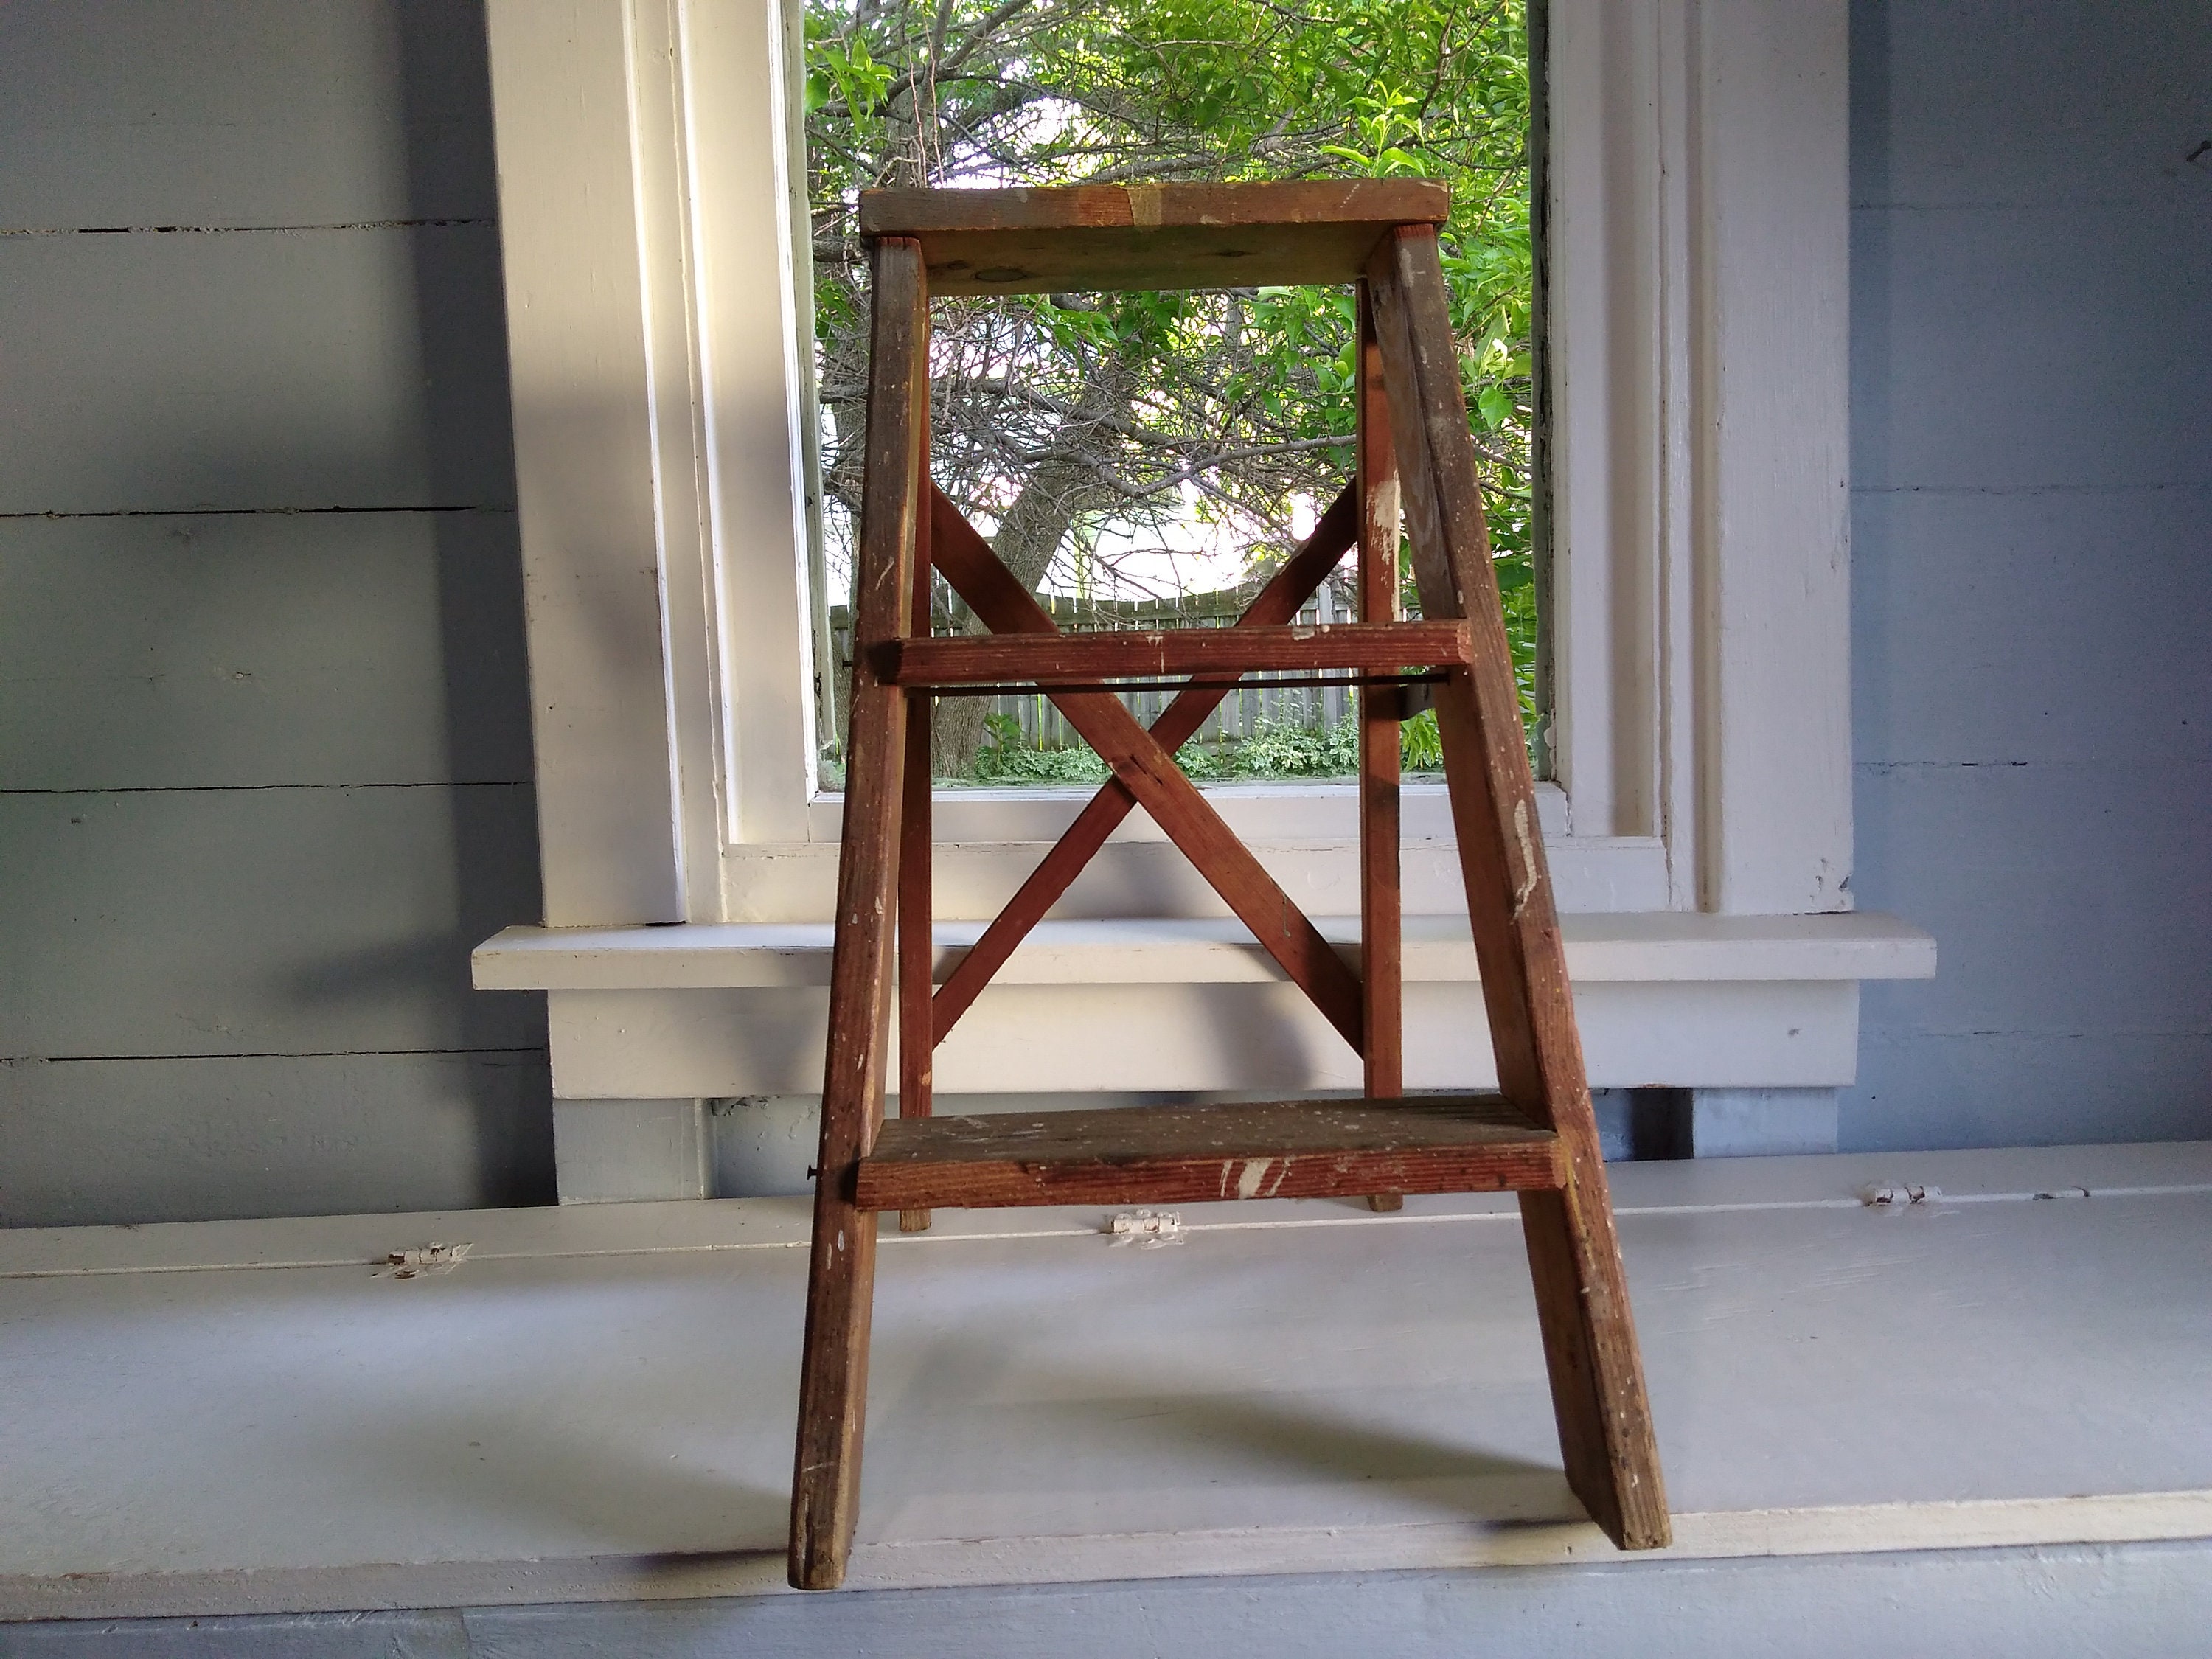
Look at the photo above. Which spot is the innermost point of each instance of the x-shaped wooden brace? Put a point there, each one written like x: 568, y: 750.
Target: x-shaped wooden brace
x: 1146, y: 774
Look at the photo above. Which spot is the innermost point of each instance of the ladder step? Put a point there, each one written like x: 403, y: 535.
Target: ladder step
x: 1192, y: 1154
x: 1052, y: 658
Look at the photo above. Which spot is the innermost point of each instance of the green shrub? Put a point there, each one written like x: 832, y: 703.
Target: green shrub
x: 1272, y: 750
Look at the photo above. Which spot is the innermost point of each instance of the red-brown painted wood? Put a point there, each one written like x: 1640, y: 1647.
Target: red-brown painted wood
x: 1196, y: 1154
x: 1093, y: 237
x: 916, y: 958
x: 1087, y: 659
x: 833, y: 1383
x: 1382, y: 932
x: 1582, y: 1297
x: 1539, y: 1138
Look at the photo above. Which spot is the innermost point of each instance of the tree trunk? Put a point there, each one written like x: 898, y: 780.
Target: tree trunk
x: 1058, y: 490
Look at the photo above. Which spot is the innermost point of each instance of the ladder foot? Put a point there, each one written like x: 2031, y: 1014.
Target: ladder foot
x: 1384, y: 1203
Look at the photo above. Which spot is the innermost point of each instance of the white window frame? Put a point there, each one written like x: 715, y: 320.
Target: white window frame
x: 653, y: 223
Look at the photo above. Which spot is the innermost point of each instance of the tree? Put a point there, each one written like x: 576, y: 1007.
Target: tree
x: 1054, y: 416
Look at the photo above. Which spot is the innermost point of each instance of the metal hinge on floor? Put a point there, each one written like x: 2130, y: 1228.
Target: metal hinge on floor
x: 1149, y: 1228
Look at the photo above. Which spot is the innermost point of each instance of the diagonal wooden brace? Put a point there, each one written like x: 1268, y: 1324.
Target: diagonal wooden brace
x: 1277, y: 602
x: 1159, y: 786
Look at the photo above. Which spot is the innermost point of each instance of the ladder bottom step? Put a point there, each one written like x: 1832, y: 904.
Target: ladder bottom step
x: 1195, y: 1154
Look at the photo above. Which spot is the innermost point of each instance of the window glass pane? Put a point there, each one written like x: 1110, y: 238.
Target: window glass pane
x: 1149, y: 458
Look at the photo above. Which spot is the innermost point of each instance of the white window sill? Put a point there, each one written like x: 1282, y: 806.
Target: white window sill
x: 1667, y: 999
x: 1661, y: 946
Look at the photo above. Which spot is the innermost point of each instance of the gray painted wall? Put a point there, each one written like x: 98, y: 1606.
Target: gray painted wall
x: 264, y: 755
x: 2032, y: 557
x: 264, y: 734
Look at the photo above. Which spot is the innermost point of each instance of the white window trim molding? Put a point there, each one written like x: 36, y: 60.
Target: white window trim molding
x: 1698, y: 621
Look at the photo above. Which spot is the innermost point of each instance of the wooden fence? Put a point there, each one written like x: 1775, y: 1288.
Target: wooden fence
x: 1241, y: 712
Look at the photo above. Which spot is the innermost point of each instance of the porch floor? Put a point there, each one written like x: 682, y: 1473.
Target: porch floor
x: 596, y: 1403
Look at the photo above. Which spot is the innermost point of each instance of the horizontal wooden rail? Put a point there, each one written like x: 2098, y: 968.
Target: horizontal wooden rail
x: 1082, y: 658
x: 1195, y: 1154
x: 1223, y: 683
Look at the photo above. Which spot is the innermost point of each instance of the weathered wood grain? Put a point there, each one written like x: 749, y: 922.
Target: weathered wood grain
x: 1311, y: 206
x: 833, y: 1388
x: 916, y: 954
x: 1382, y: 932
x: 1085, y: 659
x: 1538, y: 1137
x: 1590, y: 1339
x: 917, y: 957
x: 1107, y: 237
x: 1195, y: 1154
x: 1162, y: 789
x: 1277, y: 602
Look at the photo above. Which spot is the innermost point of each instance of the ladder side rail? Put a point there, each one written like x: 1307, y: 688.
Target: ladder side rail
x: 1597, y: 1380
x: 841, y: 1274
x: 1380, y: 898
x: 1382, y: 929
x: 917, y: 957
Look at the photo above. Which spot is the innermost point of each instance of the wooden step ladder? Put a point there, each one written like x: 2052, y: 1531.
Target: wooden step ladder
x: 1536, y: 1136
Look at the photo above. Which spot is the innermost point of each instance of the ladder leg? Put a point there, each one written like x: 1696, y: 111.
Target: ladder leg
x: 1582, y: 1298
x: 916, y: 954
x: 917, y: 1040
x: 1606, y: 1436
x: 1382, y: 975
x: 833, y: 1389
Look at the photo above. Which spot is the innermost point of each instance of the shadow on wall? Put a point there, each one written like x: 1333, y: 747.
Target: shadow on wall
x: 266, y: 769
x: 445, y: 72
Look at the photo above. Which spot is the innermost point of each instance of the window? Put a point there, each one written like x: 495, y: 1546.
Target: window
x: 1697, y: 820
x: 1144, y: 459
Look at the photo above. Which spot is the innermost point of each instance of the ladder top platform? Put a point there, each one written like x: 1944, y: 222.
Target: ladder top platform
x: 1091, y: 238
